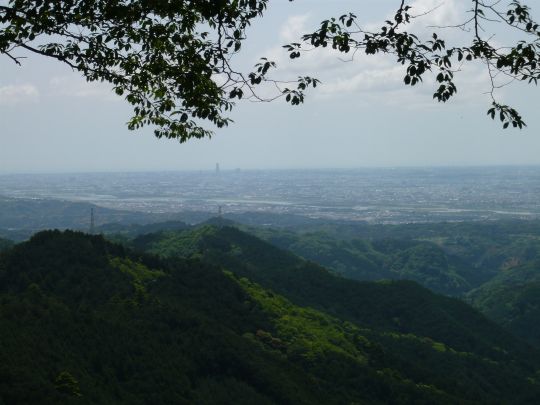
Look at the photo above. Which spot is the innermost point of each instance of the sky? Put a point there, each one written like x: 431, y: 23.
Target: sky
x: 51, y: 120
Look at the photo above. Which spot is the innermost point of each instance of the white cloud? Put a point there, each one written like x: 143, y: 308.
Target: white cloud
x: 378, y: 77
x: 314, y: 61
x: 18, y: 93
x: 360, y: 79
x: 73, y: 86
x: 438, y: 12
x: 294, y: 28
x: 426, y: 14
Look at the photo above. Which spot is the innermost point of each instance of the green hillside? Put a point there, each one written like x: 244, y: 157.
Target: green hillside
x: 449, y: 258
x: 84, y: 321
x: 362, y: 259
x: 80, y: 317
x: 512, y: 299
x: 494, y: 266
x: 399, y: 306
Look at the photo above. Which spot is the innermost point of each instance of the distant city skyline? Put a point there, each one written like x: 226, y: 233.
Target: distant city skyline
x: 387, y: 195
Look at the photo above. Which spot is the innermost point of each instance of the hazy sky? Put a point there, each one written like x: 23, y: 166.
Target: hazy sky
x: 53, y: 121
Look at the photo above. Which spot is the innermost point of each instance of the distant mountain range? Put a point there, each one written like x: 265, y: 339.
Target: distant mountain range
x: 21, y: 217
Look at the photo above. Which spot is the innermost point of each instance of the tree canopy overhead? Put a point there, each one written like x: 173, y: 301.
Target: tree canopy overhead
x: 174, y: 60
x: 171, y: 59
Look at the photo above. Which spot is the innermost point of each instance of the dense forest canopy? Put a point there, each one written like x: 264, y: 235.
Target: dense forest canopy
x: 174, y: 61
x: 87, y: 321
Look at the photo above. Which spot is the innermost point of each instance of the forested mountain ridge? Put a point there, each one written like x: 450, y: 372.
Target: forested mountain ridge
x: 82, y: 322
x: 86, y: 321
x: 360, y: 259
x: 450, y: 258
x: 399, y: 306
x: 512, y: 299
x: 495, y: 266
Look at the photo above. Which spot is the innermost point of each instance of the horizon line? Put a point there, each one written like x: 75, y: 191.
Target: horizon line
x: 269, y: 169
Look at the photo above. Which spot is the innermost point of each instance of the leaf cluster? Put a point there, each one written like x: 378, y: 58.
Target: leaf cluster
x: 520, y: 61
x: 171, y: 60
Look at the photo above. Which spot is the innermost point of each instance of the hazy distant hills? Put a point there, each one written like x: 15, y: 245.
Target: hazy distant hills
x: 25, y: 216
x: 238, y: 321
x: 21, y: 217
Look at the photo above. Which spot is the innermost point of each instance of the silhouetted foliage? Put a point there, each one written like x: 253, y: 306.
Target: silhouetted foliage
x: 174, y: 61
